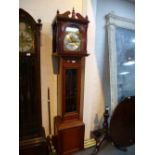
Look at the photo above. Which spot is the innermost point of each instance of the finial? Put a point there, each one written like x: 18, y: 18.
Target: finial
x: 57, y: 12
x: 107, y: 108
x: 39, y: 21
x: 73, y: 13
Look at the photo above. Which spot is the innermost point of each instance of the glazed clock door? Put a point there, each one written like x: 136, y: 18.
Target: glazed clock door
x: 28, y: 108
x: 71, y: 88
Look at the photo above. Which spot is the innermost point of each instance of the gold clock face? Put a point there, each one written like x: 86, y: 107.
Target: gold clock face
x: 26, y: 38
x: 72, y: 40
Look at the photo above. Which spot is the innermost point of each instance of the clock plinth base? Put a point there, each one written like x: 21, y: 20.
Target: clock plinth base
x: 33, y: 146
x: 69, y: 136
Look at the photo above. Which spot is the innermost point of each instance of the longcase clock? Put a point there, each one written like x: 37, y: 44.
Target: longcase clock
x: 70, y: 46
x: 31, y: 133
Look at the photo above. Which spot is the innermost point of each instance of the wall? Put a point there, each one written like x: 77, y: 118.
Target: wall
x: 97, y: 78
x: 96, y: 87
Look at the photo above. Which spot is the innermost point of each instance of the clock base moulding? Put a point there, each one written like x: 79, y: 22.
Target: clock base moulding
x: 74, y: 55
x: 68, y: 136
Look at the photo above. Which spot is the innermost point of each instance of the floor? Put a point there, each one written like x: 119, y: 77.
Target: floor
x: 108, y: 149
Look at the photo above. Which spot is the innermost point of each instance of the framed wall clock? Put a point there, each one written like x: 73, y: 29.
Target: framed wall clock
x: 70, y: 45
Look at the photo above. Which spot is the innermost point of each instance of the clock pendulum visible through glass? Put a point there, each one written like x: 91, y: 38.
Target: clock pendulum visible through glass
x: 71, y: 90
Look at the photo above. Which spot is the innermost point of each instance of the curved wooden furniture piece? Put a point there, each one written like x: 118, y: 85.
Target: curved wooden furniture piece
x: 122, y: 123
x: 122, y: 126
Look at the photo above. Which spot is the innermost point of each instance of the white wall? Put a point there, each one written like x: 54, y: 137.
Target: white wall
x: 96, y: 87
x: 97, y: 82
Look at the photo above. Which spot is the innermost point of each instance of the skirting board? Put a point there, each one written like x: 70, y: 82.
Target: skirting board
x: 89, y: 143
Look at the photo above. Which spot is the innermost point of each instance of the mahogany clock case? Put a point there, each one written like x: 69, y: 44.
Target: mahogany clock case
x: 31, y: 133
x: 70, y: 72
x: 77, y: 23
x: 70, y: 46
x: 70, y: 61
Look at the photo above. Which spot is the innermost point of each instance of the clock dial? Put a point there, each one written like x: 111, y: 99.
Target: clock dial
x: 72, y: 40
x: 26, y: 38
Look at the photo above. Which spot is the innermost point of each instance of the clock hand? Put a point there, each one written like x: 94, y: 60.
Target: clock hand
x: 71, y: 38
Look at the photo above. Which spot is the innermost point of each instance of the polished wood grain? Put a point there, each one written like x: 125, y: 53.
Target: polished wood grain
x: 69, y: 136
x: 68, y: 125
x: 31, y: 133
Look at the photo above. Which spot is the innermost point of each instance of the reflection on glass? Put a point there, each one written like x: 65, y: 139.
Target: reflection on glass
x: 129, y: 63
x: 125, y: 44
x: 133, y: 40
x: 123, y: 73
x: 71, y: 90
x: 72, y: 29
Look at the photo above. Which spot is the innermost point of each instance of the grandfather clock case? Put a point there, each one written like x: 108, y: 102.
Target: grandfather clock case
x: 70, y: 46
x: 31, y: 133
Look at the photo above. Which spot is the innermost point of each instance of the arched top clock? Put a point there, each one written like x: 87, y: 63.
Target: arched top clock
x: 31, y: 132
x: 70, y: 34
x: 29, y: 33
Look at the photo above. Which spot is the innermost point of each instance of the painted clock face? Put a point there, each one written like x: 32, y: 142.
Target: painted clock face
x: 72, y: 40
x: 26, y: 38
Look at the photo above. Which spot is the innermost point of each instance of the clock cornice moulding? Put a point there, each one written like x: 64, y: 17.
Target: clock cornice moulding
x: 72, y: 16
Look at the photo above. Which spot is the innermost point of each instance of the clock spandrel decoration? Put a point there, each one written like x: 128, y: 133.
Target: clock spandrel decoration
x: 70, y: 46
x: 31, y: 133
